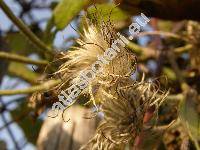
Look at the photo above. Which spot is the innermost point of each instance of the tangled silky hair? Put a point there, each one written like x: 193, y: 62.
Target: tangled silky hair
x: 124, y: 113
x: 94, y: 41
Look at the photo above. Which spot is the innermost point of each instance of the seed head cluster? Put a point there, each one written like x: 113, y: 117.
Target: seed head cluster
x: 123, y: 101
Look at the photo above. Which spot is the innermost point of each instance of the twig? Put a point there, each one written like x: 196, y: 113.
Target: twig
x: 183, y: 49
x: 22, y: 59
x: 141, y: 50
x: 24, y: 29
x: 147, y: 52
x: 177, y: 97
x: 172, y: 125
x: 162, y: 33
x: 38, y: 88
x: 143, y: 53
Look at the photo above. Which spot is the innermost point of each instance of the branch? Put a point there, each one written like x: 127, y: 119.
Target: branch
x: 38, y: 88
x: 183, y: 49
x: 22, y: 59
x: 144, y: 52
x: 162, y: 33
x: 177, y: 97
x: 147, y: 52
x: 170, y: 126
x: 24, y: 29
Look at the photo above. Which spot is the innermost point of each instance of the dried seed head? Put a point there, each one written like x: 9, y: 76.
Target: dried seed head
x: 93, y: 44
x: 124, y: 113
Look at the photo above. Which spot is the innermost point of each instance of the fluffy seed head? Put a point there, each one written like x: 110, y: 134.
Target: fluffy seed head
x: 96, y: 39
x: 124, y: 113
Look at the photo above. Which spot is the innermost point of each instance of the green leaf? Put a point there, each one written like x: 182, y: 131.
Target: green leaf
x: 190, y: 118
x: 170, y: 73
x: 19, y: 44
x: 30, y: 127
x: 49, y: 36
x: 66, y: 10
x: 21, y: 71
x: 109, y: 11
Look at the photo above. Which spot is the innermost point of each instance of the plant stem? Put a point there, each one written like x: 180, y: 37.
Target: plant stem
x: 22, y: 59
x: 38, y: 88
x: 162, y: 33
x: 147, y: 52
x: 170, y: 126
x: 177, y: 97
x: 183, y: 49
x: 24, y: 29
